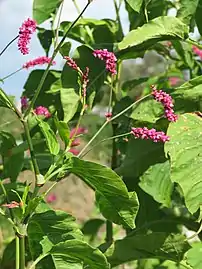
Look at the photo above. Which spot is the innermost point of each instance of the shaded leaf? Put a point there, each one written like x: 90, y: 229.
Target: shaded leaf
x: 187, y: 10
x: 135, y: 4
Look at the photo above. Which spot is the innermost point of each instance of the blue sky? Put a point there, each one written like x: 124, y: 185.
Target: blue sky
x: 13, y: 13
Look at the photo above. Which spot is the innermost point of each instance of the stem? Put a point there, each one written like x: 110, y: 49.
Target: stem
x: 117, y: 9
x: 106, y: 122
x: 31, y: 148
x: 103, y: 140
x: 38, y: 260
x: 22, y: 252
x: 58, y: 24
x: 11, y: 74
x: 8, y: 44
x: 193, y: 42
x: 109, y: 231
x: 17, y: 252
x: 50, y: 63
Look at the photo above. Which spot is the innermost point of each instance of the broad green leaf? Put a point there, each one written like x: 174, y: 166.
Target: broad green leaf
x: 75, y: 251
x: 50, y: 137
x: 65, y: 49
x: 135, y: 4
x: 146, y: 246
x: 187, y: 10
x: 5, y: 101
x: 12, y: 163
x: 159, y: 29
x: 42, y: 9
x: 194, y: 257
x: 198, y: 17
x: 156, y: 182
x: 91, y: 227
x: 185, y: 52
x: 110, y: 187
x: 45, y: 37
x: 50, y: 228
x: 184, y: 150
x: 63, y: 131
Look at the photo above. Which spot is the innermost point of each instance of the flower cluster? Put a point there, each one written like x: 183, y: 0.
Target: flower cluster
x: 197, y: 51
x: 72, y: 63
x: 108, y: 115
x: 167, y: 102
x: 174, y: 80
x: 150, y: 134
x: 41, y: 110
x: 24, y: 102
x: 51, y: 198
x: 28, y: 27
x: 85, y: 81
x: 109, y: 58
x: 38, y: 61
x: 76, y: 141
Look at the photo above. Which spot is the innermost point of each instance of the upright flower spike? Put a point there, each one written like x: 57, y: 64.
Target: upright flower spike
x: 85, y: 81
x: 72, y: 63
x: 26, y: 30
x: 167, y: 102
x: 197, y: 51
x: 41, y: 110
x: 109, y: 58
x: 150, y: 134
x: 38, y: 61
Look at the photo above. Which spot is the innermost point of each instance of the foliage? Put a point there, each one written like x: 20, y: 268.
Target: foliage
x: 149, y: 188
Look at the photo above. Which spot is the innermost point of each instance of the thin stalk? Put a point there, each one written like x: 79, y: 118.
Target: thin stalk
x: 104, y: 140
x: 8, y: 44
x: 50, y: 63
x: 193, y: 42
x: 31, y: 148
x: 118, y: 19
x: 17, y: 252
x: 87, y: 28
x: 58, y: 24
x: 22, y: 252
x: 109, y: 231
x: 33, y: 265
x: 106, y: 122
x: 11, y: 74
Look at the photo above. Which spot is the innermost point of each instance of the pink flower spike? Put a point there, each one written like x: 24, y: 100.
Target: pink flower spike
x: 167, y: 102
x: 38, y: 61
x: 24, y: 102
x: 75, y: 142
x: 13, y: 204
x: 72, y: 63
x: 51, y: 198
x: 85, y: 81
x: 152, y: 134
x: 197, y: 51
x: 28, y: 27
x: 80, y: 130
x: 174, y: 80
x: 109, y: 58
x: 74, y: 151
x: 41, y: 110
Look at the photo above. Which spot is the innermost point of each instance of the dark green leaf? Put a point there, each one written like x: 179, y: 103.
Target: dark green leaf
x: 184, y: 149
x: 130, y: 84
x: 50, y: 137
x: 42, y: 9
x: 153, y: 245
x: 65, y: 49
x: 91, y: 227
x: 198, y: 17
x: 63, y: 131
x: 110, y: 187
x: 45, y: 38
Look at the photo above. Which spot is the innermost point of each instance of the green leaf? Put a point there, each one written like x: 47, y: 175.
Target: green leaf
x: 43, y: 9
x: 91, y: 227
x: 159, y: 29
x: 156, y: 182
x: 45, y: 37
x: 194, y: 257
x: 63, y: 131
x: 4, y: 100
x: 65, y: 49
x: 50, y: 228
x: 153, y: 245
x: 110, y: 187
x: 187, y: 10
x: 12, y: 163
x: 130, y: 84
x: 50, y: 137
x: 75, y: 251
x: 184, y: 150
x: 198, y: 17
x: 135, y: 4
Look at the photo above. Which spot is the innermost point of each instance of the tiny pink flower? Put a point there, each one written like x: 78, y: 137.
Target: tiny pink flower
x: 24, y: 102
x: 41, y: 110
x: 174, y: 80
x: 78, y: 131
x: 38, y: 61
x: 13, y: 204
x: 28, y: 27
x: 150, y: 134
x: 74, y: 151
x: 72, y: 63
x: 197, y: 51
x: 109, y: 58
x: 108, y: 115
x: 167, y: 102
x: 51, y: 198
x: 75, y: 142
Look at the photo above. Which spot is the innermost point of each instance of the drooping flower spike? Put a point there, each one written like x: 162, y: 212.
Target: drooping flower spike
x: 38, y: 61
x: 109, y: 58
x: 41, y: 110
x: 26, y: 30
x: 24, y: 102
x: 150, y: 134
x: 167, y: 102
